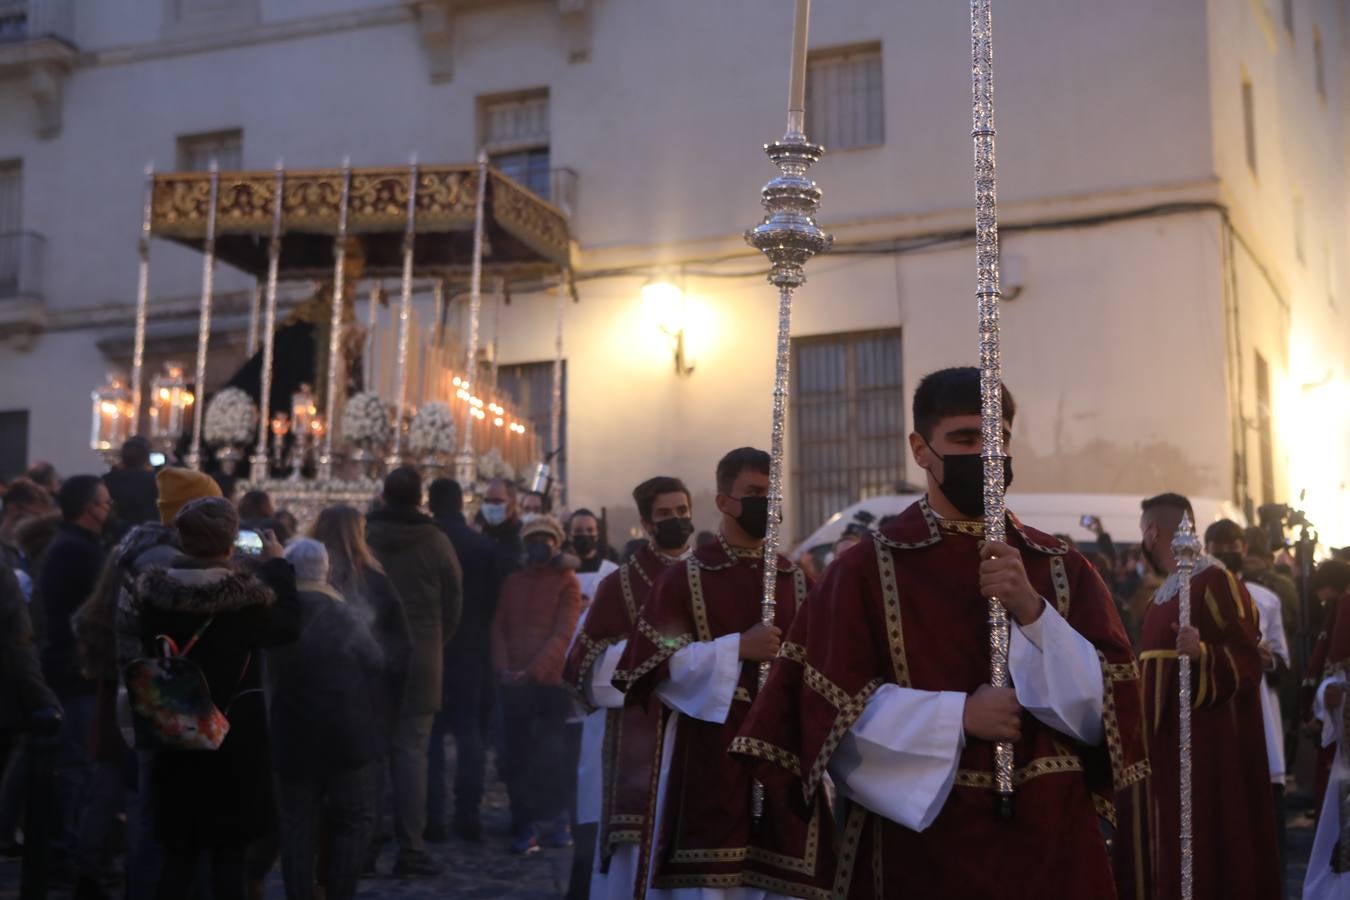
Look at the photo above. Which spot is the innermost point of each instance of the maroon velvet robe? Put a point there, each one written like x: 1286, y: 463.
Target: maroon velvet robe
x: 904, y: 607
x: 707, y: 838
x: 1233, y: 830
x: 631, y: 747
x: 1329, y: 655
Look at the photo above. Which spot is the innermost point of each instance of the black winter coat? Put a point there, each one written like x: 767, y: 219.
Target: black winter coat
x: 482, y: 585
x: 327, y: 690
x: 66, y: 578
x: 220, y: 798
x: 22, y: 687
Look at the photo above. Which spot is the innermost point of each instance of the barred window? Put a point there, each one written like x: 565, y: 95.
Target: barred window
x: 1249, y: 123
x: 843, y: 98
x: 530, y: 387
x: 515, y: 133
x: 11, y: 224
x: 1265, y: 430
x: 196, y: 151
x: 13, y: 443
x: 848, y: 416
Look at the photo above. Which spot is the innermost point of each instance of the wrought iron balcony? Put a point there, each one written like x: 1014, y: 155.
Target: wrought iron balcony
x: 33, y: 20
x: 562, y: 190
x: 22, y: 304
x: 21, y: 255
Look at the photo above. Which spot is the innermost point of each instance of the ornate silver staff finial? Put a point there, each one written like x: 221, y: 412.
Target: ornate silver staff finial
x: 788, y: 236
x: 1186, y: 548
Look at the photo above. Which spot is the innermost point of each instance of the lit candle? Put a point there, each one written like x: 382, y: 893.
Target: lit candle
x: 797, y: 80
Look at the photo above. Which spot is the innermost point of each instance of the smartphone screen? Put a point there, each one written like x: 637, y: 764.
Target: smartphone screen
x: 157, y: 460
x: 249, y: 542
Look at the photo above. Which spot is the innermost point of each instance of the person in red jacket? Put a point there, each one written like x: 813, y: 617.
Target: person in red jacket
x: 535, y: 619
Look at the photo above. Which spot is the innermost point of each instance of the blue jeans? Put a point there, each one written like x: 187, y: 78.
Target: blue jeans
x: 71, y: 767
x: 465, y: 712
x: 145, y: 857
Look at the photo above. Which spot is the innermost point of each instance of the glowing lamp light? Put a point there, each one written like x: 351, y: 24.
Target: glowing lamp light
x: 112, y: 415
x: 170, y: 397
x: 457, y: 381
x: 665, y: 306
x: 303, y: 410
x: 498, y: 421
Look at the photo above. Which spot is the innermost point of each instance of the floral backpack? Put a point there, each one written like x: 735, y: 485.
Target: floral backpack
x: 171, y: 702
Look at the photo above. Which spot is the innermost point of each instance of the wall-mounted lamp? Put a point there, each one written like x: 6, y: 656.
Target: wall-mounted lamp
x: 664, y: 304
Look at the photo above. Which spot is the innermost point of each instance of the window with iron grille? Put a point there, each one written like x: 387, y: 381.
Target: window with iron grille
x: 11, y: 224
x: 1265, y: 430
x: 843, y: 98
x: 1319, y: 64
x: 196, y: 151
x: 515, y: 133
x: 1249, y: 123
x: 13, y: 443
x: 530, y: 387
x: 848, y: 422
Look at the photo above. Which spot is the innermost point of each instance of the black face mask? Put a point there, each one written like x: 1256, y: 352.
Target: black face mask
x: 583, y: 544
x: 754, y: 517
x: 963, y: 481
x: 1232, y: 561
x: 672, y: 534
x: 537, y: 553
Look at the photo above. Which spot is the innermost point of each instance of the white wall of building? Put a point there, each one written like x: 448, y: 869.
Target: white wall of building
x: 1117, y: 347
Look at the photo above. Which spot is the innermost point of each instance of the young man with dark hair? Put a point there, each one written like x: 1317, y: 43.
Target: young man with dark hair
x: 628, y: 733
x: 66, y: 576
x: 883, y: 683
x: 132, y: 485
x: 1232, y: 805
x: 424, y: 569
x: 583, y: 534
x: 696, y: 648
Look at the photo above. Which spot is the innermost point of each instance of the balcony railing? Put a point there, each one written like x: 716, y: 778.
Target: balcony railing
x: 21, y: 255
x: 31, y: 20
x: 562, y: 191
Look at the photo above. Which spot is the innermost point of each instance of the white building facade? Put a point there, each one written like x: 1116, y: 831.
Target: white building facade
x: 1173, y: 191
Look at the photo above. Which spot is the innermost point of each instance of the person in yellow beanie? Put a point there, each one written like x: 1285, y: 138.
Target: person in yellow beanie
x: 178, y: 486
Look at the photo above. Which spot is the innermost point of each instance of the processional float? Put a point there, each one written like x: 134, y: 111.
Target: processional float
x: 449, y: 224
x: 789, y: 236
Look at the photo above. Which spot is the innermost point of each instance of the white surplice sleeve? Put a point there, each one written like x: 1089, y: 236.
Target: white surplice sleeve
x: 1057, y: 676
x: 1330, y: 718
x: 900, y: 758
x: 703, y: 678
x: 599, y: 689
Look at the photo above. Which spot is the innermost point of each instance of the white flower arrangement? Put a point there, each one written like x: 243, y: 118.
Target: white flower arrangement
x: 433, y: 430
x: 365, y: 421
x: 491, y: 465
x: 231, y: 418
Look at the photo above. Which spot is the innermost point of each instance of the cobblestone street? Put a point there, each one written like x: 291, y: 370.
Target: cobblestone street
x: 487, y: 871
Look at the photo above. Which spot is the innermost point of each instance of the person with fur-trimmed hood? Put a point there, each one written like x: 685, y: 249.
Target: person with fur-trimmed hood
x: 214, y: 802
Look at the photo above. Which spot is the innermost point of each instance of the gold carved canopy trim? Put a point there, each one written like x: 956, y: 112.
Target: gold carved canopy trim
x: 378, y: 205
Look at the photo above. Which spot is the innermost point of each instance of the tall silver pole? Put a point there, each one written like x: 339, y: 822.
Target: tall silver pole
x: 372, y: 322
x: 991, y: 368
x: 465, y: 463
x: 194, y: 458
x: 142, y: 298
x: 1186, y: 548
x: 498, y: 296
x: 336, y: 366
x: 788, y: 236
x: 556, y: 392
x: 260, y: 458
x: 254, y: 305
x: 404, y: 315
x: 437, y: 312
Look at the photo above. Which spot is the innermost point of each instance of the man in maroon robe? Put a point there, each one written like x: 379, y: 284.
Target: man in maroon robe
x: 883, y: 684
x: 630, y: 744
x: 696, y: 649
x: 1234, y: 847
x: 1329, y: 585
